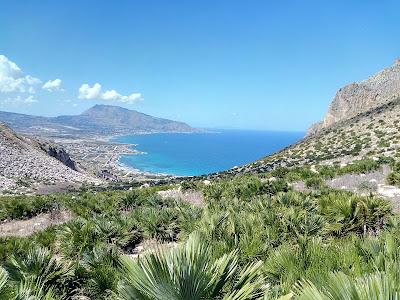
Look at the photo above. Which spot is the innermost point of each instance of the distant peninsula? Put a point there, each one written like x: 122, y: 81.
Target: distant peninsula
x: 97, y: 120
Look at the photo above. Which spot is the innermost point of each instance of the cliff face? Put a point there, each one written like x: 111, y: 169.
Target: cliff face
x: 25, y: 162
x: 362, y: 96
x: 59, y: 154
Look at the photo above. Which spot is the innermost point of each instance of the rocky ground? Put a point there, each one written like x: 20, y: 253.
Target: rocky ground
x: 24, y: 166
x: 364, y: 184
x: 191, y: 196
x: 37, y: 223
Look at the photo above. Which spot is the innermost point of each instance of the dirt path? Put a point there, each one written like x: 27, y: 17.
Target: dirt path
x: 194, y: 197
x: 40, y: 222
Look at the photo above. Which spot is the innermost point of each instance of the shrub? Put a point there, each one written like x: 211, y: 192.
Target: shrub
x: 23, y: 207
x: 368, y: 186
x: 314, y: 182
x: 360, y: 166
x: 188, y: 185
x: 393, y: 178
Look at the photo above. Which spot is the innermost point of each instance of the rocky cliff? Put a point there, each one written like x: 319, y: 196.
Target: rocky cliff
x: 362, y: 96
x: 60, y: 154
x: 24, y: 163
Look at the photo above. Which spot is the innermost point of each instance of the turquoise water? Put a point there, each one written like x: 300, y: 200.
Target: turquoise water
x: 203, y: 153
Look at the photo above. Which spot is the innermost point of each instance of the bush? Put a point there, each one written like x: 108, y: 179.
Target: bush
x: 368, y: 186
x: 393, y: 178
x: 362, y: 166
x: 188, y: 185
x: 314, y: 182
x: 244, y: 187
x: 24, y: 207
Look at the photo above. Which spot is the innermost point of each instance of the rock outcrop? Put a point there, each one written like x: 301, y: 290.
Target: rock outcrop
x: 362, y: 96
x: 60, y: 154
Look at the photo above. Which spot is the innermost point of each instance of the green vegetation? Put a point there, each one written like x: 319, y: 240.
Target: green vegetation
x: 22, y: 207
x: 190, y: 271
x: 253, y: 238
x: 394, y: 177
x: 314, y: 178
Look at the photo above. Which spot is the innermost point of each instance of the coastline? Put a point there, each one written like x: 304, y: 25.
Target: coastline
x: 131, y: 170
x: 101, y: 155
x: 199, y: 155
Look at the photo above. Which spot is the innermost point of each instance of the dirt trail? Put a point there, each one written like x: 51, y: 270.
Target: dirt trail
x: 40, y: 222
x: 194, y: 197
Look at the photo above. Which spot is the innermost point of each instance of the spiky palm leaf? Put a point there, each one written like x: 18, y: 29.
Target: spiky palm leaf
x: 35, y: 290
x: 99, y: 267
x: 5, y: 291
x: 37, y: 272
x: 377, y: 286
x: 189, y: 272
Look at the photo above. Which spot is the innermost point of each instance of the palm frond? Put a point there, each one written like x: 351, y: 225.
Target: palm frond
x: 189, y: 272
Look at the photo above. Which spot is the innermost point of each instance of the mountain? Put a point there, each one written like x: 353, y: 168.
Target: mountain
x: 100, y: 119
x: 363, y: 122
x: 26, y: 163
x: 362, y: 96
x: 107, y: 118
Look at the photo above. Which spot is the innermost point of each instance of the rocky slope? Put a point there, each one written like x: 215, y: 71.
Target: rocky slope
x: 98, y: 120
x: 60, y: 154
x: 363, y: 121
x: 363, y: 96
x: 370, y: 134
x: 24, y: 164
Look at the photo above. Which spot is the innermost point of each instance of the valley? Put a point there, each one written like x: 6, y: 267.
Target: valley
x: 199, y: 150
x: 319, y: 215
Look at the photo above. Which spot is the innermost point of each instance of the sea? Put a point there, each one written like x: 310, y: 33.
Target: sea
x: 202, y: 153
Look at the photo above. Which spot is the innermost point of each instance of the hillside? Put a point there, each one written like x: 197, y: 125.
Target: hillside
x: 363, y: 123
x: 26, y: 163
x: 369, y: 134
x: 98, y: 120
x: 359, y: 97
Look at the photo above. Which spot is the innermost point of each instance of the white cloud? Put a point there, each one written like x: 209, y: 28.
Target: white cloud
x: 12, y: 79
x: 89, y: 93
x: 111, y: 95
x: 30, y: 99
x: 17, y: 100
x: 132, y: 98
x: 52, y: 85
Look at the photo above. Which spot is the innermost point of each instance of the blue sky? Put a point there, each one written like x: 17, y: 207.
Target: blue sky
x: 225, y: 64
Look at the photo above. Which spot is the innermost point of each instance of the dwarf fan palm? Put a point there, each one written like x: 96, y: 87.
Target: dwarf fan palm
x: 189, y: 272
x: 37, y: 265
x: 5, y: 291
x: 377, y: 286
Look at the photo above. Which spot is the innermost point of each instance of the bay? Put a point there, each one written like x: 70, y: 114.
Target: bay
x: 203, y: 153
